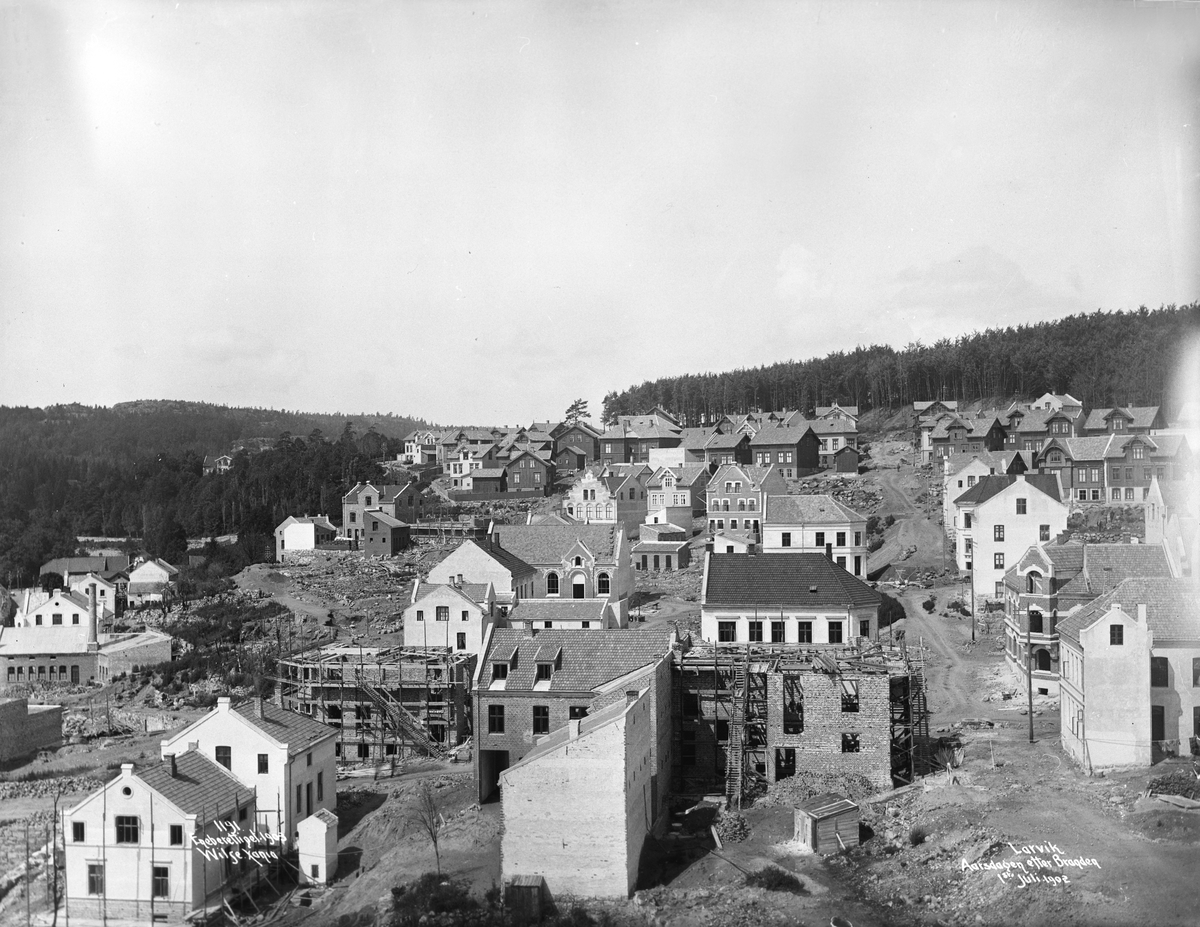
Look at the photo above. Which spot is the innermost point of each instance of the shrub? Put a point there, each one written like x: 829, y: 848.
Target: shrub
x: 774, y: 879
x: 874, y: 542
x: 930, y: 604
x: 889, y: 521
x: 874, y: 524
x: 918, y: 835
x: 430, y: 893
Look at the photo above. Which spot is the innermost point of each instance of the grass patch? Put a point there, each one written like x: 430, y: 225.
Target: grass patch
x: 774, y: 879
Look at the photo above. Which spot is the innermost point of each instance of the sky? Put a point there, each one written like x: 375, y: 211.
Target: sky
x: 476, y: 213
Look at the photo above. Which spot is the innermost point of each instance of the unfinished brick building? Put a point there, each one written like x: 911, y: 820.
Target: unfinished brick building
x: 386, y: 703
x: 747, y: 716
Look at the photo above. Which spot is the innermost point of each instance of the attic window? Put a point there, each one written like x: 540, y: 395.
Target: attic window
x: 812, y: 589
x: 499, y: 671
x: 544, y: 672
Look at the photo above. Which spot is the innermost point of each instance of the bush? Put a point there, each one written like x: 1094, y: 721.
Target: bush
x: 874, y: 524
x: 889, y: 521
x: 430, y: 893
x: 918, y: 835
x: 874, y: 542
x: 930, y: 604
x: 774, y: 879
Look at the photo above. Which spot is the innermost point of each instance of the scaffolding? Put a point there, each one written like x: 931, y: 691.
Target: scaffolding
x: 387, y: 704
x: 727, y: 695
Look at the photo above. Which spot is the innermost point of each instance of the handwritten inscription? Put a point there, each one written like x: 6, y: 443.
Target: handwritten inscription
x: 232, y: 843
x: 1033, y: 864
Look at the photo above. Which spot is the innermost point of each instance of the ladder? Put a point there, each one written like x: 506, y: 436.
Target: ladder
x: 736, y: 756
x: 919, y: 721
x: 402, y: 720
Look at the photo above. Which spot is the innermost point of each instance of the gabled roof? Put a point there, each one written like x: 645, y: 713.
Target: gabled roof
x: 319, y: 520
x: 994, y: 484
x: 1090, y: 448
x: 199, y: 786
x: 65, y: 565
x: 780, y: 434
x: 950, y: 404
x: 588, y: 660
x: 808, y: 510
x: 385, y: 518
x: 549, y: 544
x: 1104, y: 566
x: 1172, y: 609
x: 694, y: 439
x: 794, y: 579
x: 1137, y: 416
x: 833, y: 426
x: 486, y: 473
x: 471, y: 592
x: 298, y: 731
x: 750, y: 474
x: 721, y: 441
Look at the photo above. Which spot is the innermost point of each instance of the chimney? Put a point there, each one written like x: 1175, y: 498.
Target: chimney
x: 93, y: 639
x: 1141, y: 613
x: 126, y: 770
x: 174, y: 768
x: 829, y: 551
x: 193, y: 745
x: 573, y: 729
x: 258, y: 709
x: 223, y: 703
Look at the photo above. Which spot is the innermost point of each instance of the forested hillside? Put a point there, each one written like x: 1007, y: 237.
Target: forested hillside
x: 1102, y: 358
x: 136, y: 470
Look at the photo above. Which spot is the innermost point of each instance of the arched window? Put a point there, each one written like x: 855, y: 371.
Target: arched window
x: 552, y: 584
x: 1035, y: 622
x: 602, y: 585
x: 1043, y: 660
x: 608, y: 513
x: 578, y: 561
x: 1033, y: 582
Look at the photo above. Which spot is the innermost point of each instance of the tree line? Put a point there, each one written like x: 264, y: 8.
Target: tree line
x: 136, y: 471
x: 1101, y: 358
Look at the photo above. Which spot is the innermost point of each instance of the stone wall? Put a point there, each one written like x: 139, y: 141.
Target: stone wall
x: 25, y: 729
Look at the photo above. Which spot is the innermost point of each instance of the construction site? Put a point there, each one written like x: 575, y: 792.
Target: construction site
x: 751, y: 715
x: 388, y: 704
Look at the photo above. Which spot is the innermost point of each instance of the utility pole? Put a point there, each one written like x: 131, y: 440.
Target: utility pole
x: 1029, y: 672
x: 972, y: 607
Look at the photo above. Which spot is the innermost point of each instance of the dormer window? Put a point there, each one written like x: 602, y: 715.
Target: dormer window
x: 544, y: 672
x: 368, y: 500
x: 499, y: 671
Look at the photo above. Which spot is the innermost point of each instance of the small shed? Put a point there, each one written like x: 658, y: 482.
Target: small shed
x: 827, y: 823
x: 846, y: 460
x: 317, y: 847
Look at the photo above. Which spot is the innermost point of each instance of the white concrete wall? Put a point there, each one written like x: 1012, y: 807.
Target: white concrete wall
x: 588, y: 848
x: 429, y: 632
x: 476, y: 566
x: 1020, y: 532
x: 1117, y: 691
x: 821, y: 619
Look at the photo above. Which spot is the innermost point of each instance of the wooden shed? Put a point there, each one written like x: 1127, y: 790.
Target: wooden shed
x: 827, y: 823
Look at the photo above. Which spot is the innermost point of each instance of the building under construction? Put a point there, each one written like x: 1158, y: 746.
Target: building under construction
x: 748, y: 715
x: 386, y: 703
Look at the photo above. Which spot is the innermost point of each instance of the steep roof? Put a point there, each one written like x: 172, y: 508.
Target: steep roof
x: 808, y: 510
x: 486, y: 473
x: 780, y: 434
x: 1105, y: 566
x: 506, y: 558
x: 1088, y: 448
x: 385, y: 518
x: 994, y: 484
x: 298, y: 731
x: 800, y: 579
x: 199, y: 786
x: 1138, y: 416
x: 537, y: 544
x: 588, y: 660
x: 1172, y: 608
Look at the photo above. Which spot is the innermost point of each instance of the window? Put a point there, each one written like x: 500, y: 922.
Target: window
x: 541, y: 719
x: 224, y: 757
x: 998, y: 561
x: 1195, y: 672
x: 1116, y: 635
x: 721, y: 730
x: 95, y: 879
x: 78, y: 830
x: 56, y: 618
x: 864, y: 628
x: 998, y: 533
x: 443, y: 613
x: 850, y: 743
x: 353, y: 517
x: 835, y: 632
x: 127, y: 829
x: 857, y: 538
x: 1116, y: 473
x: 841, y: 539
x: 176, y: 835
x: 603, y: 585
x: 804, y: 632
x: 160, y: 881
x: 756, y: 631
x: 1129, y: 473
x: 499, y: 671
x: 1043, y: 532
x: 970, y: 481
x: 820, y: 541
x: 793, y: 705
x: 1022, y: 506
x: 300, y: 788
x: 420, y: 614
x: 967, y: 520
x: 726, y: 631
x: 841, y: 561
x: 551, y: 584
x: 460, y: 641
x: 849, y: 695
x: 1139, y: 452
x: 1159, y: 672
x: 495, y: 719
x: 1095, y: 475
x: 786, y: 539
x: 575, y: 712
x: 320, y: 786
x: 544, y: 672
x: 263, y: 764
x: 776, y: 632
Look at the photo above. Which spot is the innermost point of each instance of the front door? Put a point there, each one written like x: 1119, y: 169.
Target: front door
x: 1158, y: 725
